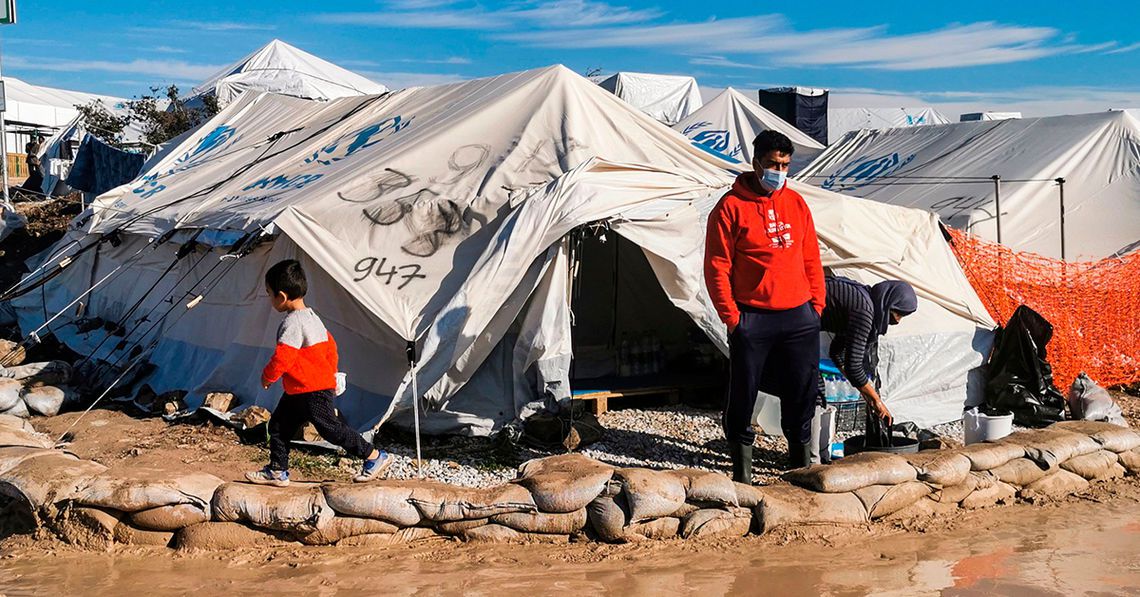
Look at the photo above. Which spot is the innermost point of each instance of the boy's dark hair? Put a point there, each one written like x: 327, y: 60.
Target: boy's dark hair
x: 287, y: 276
x: 769, y: 140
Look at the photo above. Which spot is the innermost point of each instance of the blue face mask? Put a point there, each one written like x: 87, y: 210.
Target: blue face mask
x: 772, y: 180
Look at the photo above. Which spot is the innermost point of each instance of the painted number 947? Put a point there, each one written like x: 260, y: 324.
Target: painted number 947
x: 371, y: 266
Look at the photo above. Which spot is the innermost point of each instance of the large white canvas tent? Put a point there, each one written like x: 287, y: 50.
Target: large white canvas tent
x: 438, y: 216
x: 841, y: 121
x: 727, y: 124
x: 947, y: 169
x: 667, y: 98
x: 281, y: 68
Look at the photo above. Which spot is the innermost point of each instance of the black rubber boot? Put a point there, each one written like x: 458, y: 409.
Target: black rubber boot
x: 799, y: 455
x: 741, y: 455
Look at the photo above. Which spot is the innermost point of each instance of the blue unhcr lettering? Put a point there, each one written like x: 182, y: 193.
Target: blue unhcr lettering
x: 864, y: 171
x: 360, y: 139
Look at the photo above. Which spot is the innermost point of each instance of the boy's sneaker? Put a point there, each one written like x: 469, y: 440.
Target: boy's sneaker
x: 375, y: 468
x: 268, y: 476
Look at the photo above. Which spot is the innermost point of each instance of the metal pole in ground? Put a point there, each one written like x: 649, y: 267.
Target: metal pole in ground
x: 1061, y: 190
x: 997, y: 204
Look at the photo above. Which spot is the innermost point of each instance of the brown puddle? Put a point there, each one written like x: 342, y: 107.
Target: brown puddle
x: 1081, y: 548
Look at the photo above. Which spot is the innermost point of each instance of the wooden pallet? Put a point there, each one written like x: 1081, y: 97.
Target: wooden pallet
x: 600, y: 400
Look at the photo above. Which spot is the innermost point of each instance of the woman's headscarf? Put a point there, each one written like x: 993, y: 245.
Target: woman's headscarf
x: 892, y: 295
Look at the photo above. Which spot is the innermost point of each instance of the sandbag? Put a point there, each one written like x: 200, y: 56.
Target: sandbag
x: 1113, y: 438
x: 169, y: 518
x: 1056, y: 485
x: 541, y: 522
x: 564, y: 483
x: 386, y: 500
x: 854, y: 472
x: 222, y: 535
x: 13, y: 455
x: 457, y: 527
x: 440, y: 502
x: 295, y: 508
x: 44, y: 400
x: 19, y: 410
x: 732, y: 522
x: 883, y: 500
x: 88, y: 528
x: 941, y: 467
x: 40, y: 482
x: 1090, y: 402
x: 10, y: 436
x: 138, y: 489
x: 50, y: 373
x: 984, y: 456
x: 990, y: 495
x: 400, y: 537
x: 747, y: 496
x: 924, y: 507
x: 661, y: 528
x: 1130, y: 460
x: 342, y: 527
x: 1051, y: 447
x: 651, y: 494
x: 497, y: 533
x: 1020, y: 471
x: 706, y: 487
x: 952, y: 494
x: 791, y: 505
x: 10, y: 391
x: 128, y: 534
x: 12, y: 354
x: 608, y: 514
x: 1098, y: 465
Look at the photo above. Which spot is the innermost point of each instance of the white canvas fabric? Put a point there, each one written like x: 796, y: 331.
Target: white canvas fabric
x: 947, y: 169
x: 841, y: 121
x: 281, y: 68
x: 47, y: 106
x: 986, y: 116
x: 667, y: 98
x: 437, y: 216
x: 726, y: 126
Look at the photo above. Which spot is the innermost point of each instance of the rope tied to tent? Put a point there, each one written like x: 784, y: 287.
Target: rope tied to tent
x: 410, y: 349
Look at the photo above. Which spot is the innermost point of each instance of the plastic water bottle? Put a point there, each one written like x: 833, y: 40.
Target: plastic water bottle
x: 852, y: 393
x: 831, y: 389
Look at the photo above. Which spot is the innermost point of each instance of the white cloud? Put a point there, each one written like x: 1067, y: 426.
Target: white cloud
x: 430, y: 14
x: 164, y: 69
x: 1128, y: 48
x: 168, y: 50
x: 221, y: 26
x: 721, y: 61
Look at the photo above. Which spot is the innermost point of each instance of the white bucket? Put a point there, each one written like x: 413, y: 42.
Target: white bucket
x: 766, y: 415
x: 981, y: 427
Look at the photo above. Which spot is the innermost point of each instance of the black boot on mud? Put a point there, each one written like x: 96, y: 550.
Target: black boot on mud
x: 799, y: 455
x: 741, y: 455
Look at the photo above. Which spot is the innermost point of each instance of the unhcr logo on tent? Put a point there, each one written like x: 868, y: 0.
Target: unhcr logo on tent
x: 211, y: 143
x: 717, y: 143
x: 864, y: 171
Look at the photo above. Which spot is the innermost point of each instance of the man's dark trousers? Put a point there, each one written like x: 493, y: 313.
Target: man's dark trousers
x: 776, y: 352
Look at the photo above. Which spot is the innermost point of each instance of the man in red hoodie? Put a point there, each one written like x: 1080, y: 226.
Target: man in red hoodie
x: 764, y: 276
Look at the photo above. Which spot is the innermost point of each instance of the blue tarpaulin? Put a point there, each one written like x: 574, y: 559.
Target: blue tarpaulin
x: 98, y: 167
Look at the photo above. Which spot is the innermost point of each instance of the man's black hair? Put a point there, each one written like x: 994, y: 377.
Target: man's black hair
x: 287, y: 276
x: 769, y: 140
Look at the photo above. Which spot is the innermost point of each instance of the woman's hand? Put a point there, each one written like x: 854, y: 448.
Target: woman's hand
x: 875, y: 403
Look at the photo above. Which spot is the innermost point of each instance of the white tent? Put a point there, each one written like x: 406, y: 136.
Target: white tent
x: 281, y: 68
x: 438, y: 216
x: 948, y: 169
x: 984, y: 116
x: 667, y: 98
x: 841, y: 121
x: 727, y: 124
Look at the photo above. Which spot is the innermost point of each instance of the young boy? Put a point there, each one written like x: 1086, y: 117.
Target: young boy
x: 306, y: 358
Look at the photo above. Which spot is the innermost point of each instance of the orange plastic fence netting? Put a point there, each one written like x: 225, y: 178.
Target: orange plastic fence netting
x: 1094, y: 306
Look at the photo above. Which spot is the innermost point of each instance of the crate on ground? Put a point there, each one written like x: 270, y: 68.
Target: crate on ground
x: 850, y: 416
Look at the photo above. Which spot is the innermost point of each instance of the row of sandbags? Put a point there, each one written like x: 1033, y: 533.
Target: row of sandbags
x: 34, y: 388
x: 552, y: 499
x: 1036, y: 464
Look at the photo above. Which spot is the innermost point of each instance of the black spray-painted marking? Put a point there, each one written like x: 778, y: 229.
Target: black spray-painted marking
x: 372, y: 266
x: 391, y: 180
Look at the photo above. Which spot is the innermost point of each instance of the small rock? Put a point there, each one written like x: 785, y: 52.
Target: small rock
x: 219, y: 401
x: 251, y: 417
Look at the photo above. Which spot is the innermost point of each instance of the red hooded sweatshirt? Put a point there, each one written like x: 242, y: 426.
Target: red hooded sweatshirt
x: 762, y: 252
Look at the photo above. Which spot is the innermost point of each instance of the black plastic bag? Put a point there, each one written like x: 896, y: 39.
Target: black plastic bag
x: 1019, y: 378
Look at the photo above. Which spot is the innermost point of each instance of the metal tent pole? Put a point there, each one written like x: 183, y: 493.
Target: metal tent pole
x: 997, y: 203
x: 1061, y: 191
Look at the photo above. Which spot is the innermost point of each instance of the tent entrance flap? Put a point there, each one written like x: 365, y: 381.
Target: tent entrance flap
x: 627, y: 334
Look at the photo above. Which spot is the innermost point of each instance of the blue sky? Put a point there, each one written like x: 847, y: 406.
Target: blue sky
x: 1042, y: 57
